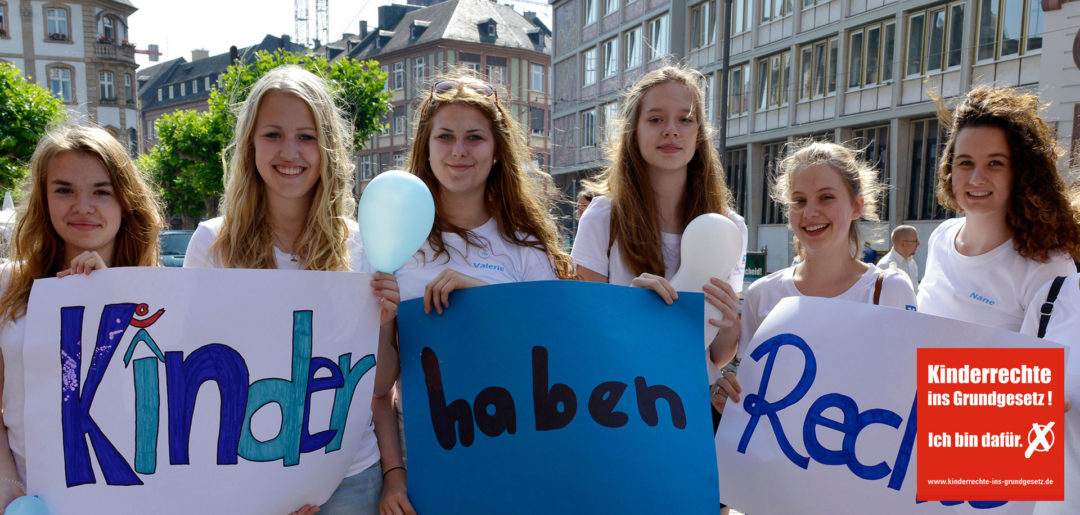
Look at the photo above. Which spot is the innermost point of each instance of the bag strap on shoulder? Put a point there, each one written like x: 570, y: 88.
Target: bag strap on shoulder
x: 1048, y: 306
x: 877, y: 287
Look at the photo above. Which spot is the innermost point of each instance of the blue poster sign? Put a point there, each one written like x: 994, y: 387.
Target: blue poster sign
x: 557, y: 397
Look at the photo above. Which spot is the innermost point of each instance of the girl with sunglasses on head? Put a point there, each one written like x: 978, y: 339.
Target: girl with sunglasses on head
x: 1018, y: 231
x: 288, y: 205
x: 663, y: 173
x: 88, y: 208
x: 491, y: 225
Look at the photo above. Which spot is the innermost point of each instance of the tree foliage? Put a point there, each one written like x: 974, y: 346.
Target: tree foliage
x: 26, y: 111
x: 187, y: 162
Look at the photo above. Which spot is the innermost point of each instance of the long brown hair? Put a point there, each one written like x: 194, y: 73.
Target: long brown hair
x: 635, y: 220
x: 510, y: 194
x: 1039, y: 214
x: 246, y: 239
x: 37, y: 251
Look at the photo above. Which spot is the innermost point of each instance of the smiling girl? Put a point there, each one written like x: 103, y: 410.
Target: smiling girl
x: 288, y: 205
x: 88, y: 208
x: 999, y: 170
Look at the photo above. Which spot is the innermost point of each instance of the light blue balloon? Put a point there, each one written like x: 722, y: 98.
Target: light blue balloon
x: 27, y: 505
x: 396, y: 215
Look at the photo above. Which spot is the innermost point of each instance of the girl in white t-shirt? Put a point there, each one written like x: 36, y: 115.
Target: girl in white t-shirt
x: 491, y: 225
x: 825, y: 189
x: 88, y: 208
x: 287, y: 203
x: 998, y: 169
x: 664, y: 172
x: 1063, y: 326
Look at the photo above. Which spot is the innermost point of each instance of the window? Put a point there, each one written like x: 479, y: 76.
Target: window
x: 632, y: 48
x: 399, y: 76
x: 386, y: 83
x: 105, y: 84
x: 739, y: 96
x: 926, y: 143
x: 129, y: 92
x: 419, y: 73
x: 536, y: 77
x: 385, y: 122
x: 536, y: 121
x: 206, y: 83
x: 610, y: 6
x: 588, y: 66
x: 774, y: 80
x: 590, y: 11
x: 588, y: 128
x: 708, y: 93
x: 60, y: 84
x: 1009, y: 28
x: 133, y: 143
x: 496, y: 70
x: 735, y: 166
x: 194, y: 86
x: 702, y: 25
x: 658, y: 37
x: 935, y: 39
x: 741, y: 15
x: 772, y: 212
x: 611, y: 57
x: 774, y: 9
x: 817, y: 69
x: 399, y: 160
x: 171, y: 91
x: 471, y: 61
x: 875, y: 142
x: 56, y: 23
x: 399, y: 120
x: 610, y: 112
x: 367, y: 172
x: 159, y: 90
x: 183, y: 88
x: 107, y: 30
x: 492, y: 30
x: 3, y: 21
x: 871, y: 52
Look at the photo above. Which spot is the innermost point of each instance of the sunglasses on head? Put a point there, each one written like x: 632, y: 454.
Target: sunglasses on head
x: 482, y: 88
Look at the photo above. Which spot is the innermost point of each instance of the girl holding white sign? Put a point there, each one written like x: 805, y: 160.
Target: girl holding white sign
x: 288, y: 204
x: 825, y: 189
x: 1018, y: 230
x: 664, y: 172
x: 88, y: 208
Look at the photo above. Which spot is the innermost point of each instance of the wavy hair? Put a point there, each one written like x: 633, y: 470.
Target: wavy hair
x: 37, y: 251
x: 1038, y: 214
x: 246, y: 239
x: 635, y: 220
x: 860, y: 179
x: 511, y: 193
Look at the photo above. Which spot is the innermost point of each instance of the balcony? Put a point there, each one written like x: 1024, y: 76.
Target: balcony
x: 109, y: 49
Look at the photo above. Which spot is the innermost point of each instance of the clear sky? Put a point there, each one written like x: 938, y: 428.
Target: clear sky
x: 215, y: 25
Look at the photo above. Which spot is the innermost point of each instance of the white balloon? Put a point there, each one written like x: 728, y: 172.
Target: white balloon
x: 711, y: 247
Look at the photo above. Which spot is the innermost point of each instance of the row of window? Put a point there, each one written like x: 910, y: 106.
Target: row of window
x: 182, y: 87
x: 495, y: 71
x: 60, y: 84
x: 602, y: 62
x: 57, y: 26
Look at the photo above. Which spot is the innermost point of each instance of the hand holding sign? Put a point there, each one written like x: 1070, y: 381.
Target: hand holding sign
x: 395, y: 215
x: 711, y: 247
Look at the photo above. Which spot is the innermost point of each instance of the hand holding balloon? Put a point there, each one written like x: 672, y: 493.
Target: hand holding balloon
x: 396, y: 214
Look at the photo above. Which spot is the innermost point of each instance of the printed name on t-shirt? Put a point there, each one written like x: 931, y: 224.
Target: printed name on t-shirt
x: 486, y: 266
x: 982, y: 299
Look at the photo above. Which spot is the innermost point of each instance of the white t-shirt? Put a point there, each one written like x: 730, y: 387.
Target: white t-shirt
x: 765, y: 293
x: 11, y: 342
x: 1064, y: 328
x: 198, y: 256
x: 593, y: 235
x: 500, y: 261
x: 992, y: 289
x: 907, y: 265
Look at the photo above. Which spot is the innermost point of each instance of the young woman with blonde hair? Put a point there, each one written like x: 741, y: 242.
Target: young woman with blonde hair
x: 88, y: 208
x: 288, y: 205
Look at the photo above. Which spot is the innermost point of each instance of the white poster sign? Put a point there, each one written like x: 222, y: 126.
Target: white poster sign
x: 827, y: 422
x: 152, y: 390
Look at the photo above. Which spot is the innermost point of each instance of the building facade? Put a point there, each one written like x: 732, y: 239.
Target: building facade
x: 80, y: 51
x: 859, y: 71
x: 413, y: 44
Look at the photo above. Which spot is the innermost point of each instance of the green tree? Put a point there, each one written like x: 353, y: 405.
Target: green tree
x: 187, y: 163
x: 26, y: 110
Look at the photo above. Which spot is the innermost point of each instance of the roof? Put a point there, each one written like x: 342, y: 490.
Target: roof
x: 456, y: 20
x: 180, y: 70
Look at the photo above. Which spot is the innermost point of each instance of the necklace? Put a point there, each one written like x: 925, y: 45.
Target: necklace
x: 282, y: 247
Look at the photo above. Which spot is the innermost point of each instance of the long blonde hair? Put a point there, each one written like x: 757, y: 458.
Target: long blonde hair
x: 37, y: 251
x: 635, y: 220
x: 860, y: 179
x: 509, y: 195
x: 246, y: 239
